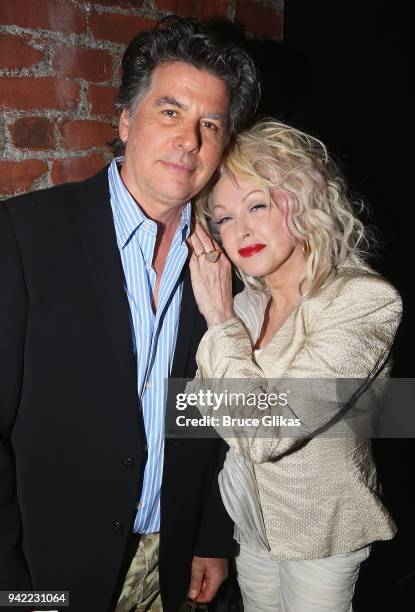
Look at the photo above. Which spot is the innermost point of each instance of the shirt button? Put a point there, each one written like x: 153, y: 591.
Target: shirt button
x: 128, y: 461
x: 117, y: 526
x: 139, y: 505
x: 147, y: 385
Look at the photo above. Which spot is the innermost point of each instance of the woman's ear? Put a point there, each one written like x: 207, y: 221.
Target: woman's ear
x: 283, y: 202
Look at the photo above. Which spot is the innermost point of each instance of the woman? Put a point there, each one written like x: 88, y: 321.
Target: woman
x: 306, y: 507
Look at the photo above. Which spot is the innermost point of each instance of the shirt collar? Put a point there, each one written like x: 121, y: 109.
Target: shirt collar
x: 129, y: 216
x: 185, y: 221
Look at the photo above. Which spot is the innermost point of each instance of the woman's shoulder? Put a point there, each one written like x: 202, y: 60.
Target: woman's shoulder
x: 362, y: 283
x: 358, y: 290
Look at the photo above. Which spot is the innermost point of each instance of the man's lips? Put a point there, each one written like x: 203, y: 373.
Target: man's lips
x: 251, y: 250
x: 178, y: 167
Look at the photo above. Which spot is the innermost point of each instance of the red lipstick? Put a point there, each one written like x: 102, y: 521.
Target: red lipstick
x: 251, y: 250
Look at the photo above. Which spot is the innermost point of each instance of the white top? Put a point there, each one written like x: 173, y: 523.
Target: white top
x: 239, y: 491
x: 321, y: 497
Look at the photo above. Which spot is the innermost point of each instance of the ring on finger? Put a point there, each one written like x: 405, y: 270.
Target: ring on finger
x: 212, y: 256
x: 200, y: 254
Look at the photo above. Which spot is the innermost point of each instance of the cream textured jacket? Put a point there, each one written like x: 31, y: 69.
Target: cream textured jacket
x: 324, y: 498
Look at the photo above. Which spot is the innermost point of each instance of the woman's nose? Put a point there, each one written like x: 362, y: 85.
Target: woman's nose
x: 243, y: 228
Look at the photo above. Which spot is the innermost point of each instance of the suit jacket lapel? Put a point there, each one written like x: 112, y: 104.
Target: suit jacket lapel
x: 98, y: 235
x: 192, y: 326
x: 191, y: 329
x: 96, y: 227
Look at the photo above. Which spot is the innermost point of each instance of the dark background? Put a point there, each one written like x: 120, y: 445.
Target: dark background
x: 346, y: 78
x: 342, y: 73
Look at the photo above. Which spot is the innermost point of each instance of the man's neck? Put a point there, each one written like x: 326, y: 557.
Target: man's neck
x: 165, y: 214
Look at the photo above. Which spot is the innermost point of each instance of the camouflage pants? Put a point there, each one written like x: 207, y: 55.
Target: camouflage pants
x: 141, y: 591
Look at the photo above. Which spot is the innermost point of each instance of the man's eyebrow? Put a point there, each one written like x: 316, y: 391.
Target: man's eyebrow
x: 216, y: 117
x: 170, y: 100
x: 173, y: 102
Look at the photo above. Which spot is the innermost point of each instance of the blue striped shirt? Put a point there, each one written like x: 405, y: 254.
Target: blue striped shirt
x: 155, y: 334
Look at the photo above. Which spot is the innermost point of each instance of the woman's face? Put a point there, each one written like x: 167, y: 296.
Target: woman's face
x: 253, y: 231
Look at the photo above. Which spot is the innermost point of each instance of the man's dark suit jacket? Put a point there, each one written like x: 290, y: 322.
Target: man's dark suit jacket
x: 72, y: 447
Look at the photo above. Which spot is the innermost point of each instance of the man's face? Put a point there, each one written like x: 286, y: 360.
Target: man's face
x: 176, y: 137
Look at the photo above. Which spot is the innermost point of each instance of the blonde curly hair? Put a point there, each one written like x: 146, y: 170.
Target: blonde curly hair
x: 322, y: 217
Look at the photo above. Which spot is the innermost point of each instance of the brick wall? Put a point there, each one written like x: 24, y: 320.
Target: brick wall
x: 59, y: 72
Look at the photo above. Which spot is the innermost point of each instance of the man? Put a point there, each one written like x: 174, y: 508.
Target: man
x: 96, y: 311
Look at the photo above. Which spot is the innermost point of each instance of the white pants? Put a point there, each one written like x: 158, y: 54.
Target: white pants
x: 298, y: 586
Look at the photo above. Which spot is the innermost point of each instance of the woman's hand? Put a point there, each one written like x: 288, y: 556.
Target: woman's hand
x: 211, y: 281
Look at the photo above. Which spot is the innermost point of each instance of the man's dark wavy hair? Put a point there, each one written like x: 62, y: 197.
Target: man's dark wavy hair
x: 202, y: 45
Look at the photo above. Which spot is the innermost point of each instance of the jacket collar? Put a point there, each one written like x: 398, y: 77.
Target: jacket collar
x: 97, y: 230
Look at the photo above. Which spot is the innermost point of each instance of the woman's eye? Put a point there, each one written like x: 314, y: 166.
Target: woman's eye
x: 222, y: 220
x: 258, y: 206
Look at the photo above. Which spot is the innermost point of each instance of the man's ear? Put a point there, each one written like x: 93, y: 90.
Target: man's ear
x: 124, y: 125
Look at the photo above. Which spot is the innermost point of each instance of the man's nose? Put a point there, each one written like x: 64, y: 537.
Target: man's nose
x: 189, y: 137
